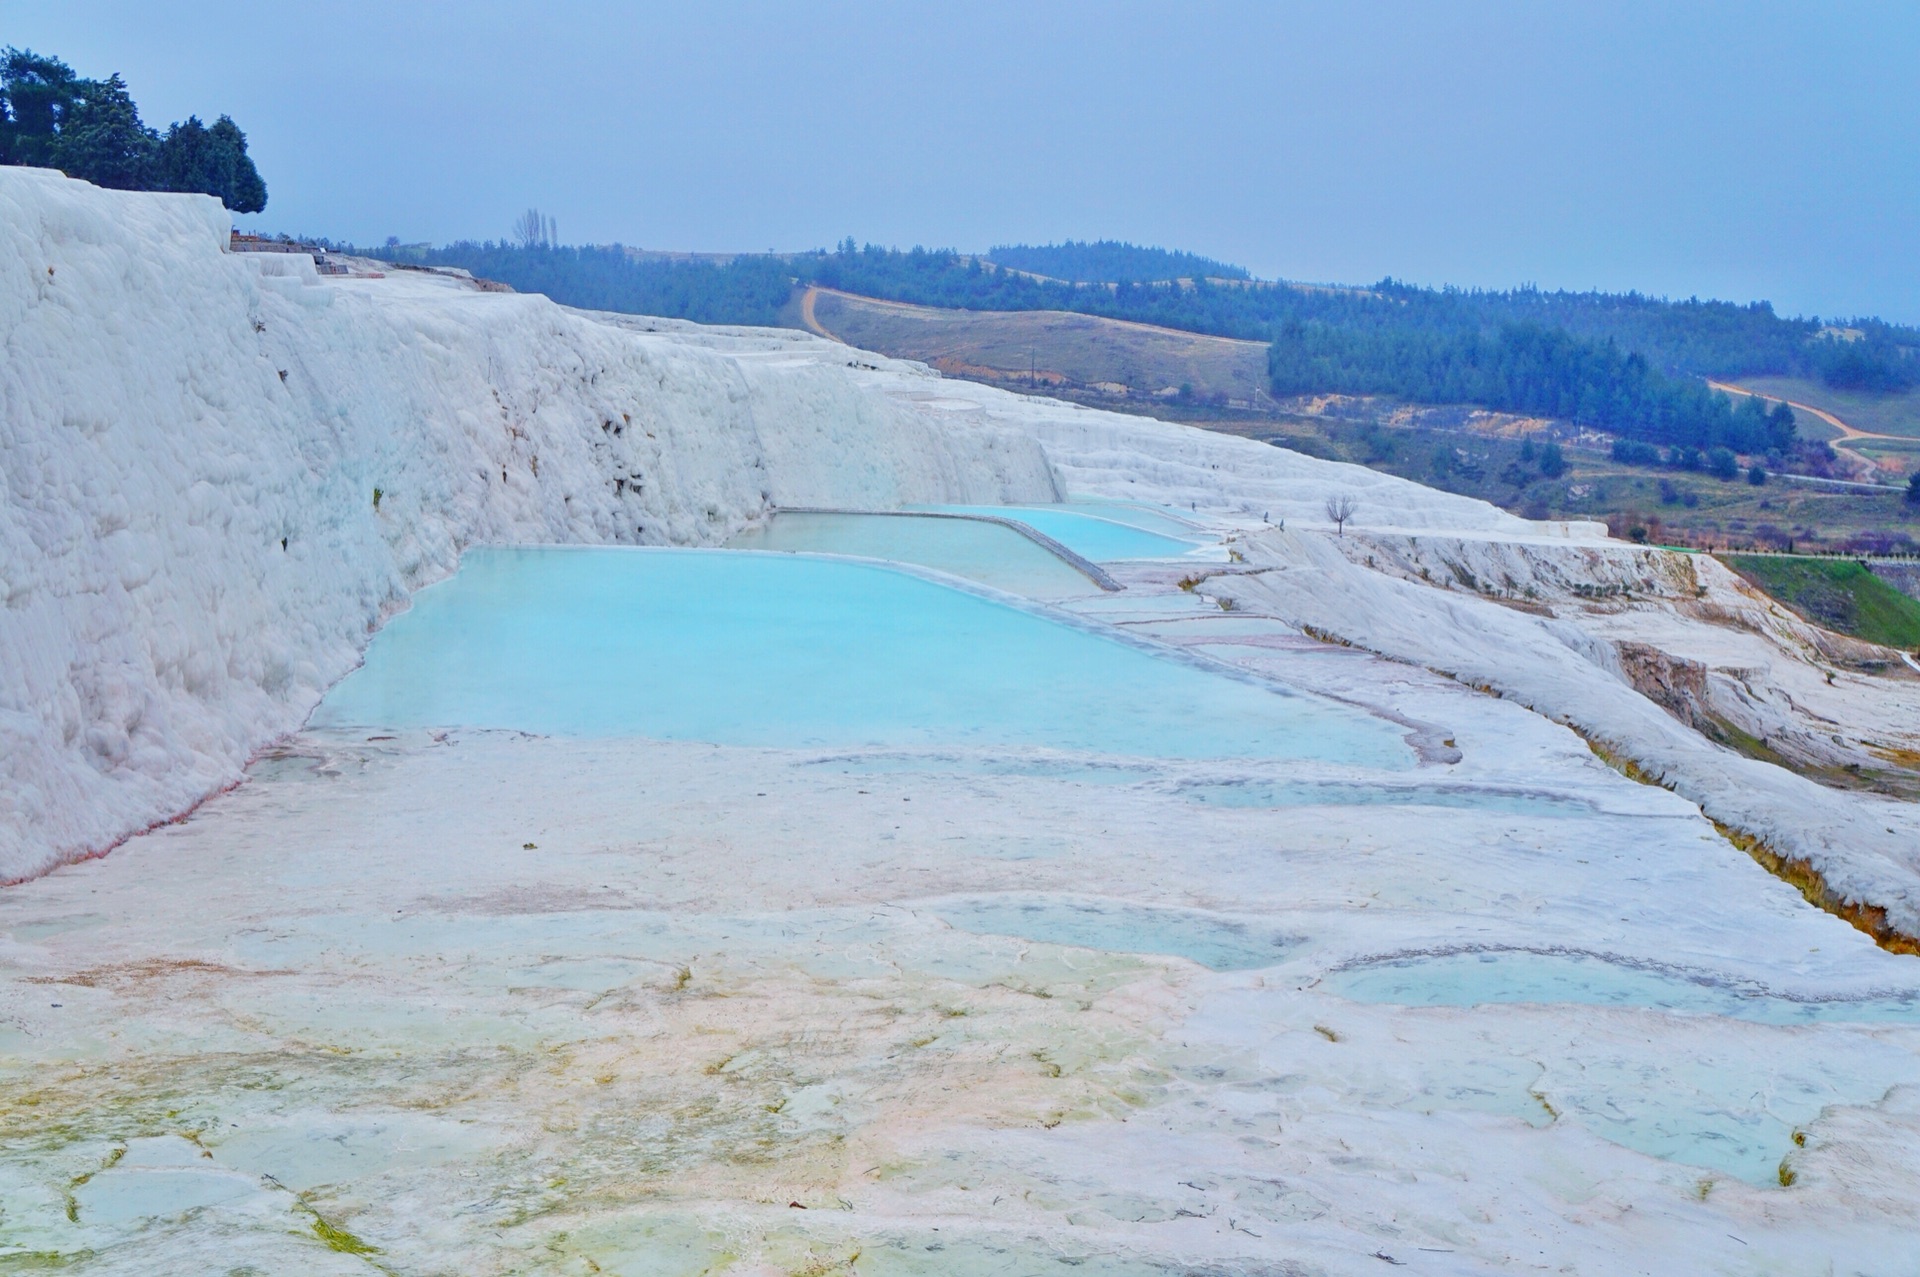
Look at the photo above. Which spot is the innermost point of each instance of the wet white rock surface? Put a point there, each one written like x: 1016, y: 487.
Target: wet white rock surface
x: 348, y: 1006
x: 473, y: 1002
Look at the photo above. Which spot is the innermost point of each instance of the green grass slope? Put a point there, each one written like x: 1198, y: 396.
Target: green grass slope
x: 1840, y: 594
x: 1886, y: 414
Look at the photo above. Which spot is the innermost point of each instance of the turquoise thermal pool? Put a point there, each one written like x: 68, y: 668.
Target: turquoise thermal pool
x: 1220, y: 944
x: 797, y: 651
x: 990, y: 553
x: 1147, y: 516
x: 1477, y: 979
x: 1096, y: 531
x: 1073, y: 770
x: 1733, y: 1111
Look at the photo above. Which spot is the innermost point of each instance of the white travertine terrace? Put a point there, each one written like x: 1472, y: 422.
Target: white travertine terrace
x: 478, y: 1002
x: 173, y: 414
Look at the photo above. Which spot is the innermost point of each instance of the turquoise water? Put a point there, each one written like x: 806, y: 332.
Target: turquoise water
x: 1476, y: 979
x: 1219, y: 944
x: 1257, y: 793
x: 1140, y: 514
x: 989, y: 553
x: 796, y: 651
x: 1732, y: 1110
x: 1102, y: 539
x: 1067, y: 769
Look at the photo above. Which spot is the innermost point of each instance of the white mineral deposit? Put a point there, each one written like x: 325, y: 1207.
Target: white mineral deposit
x: 1047, y: 849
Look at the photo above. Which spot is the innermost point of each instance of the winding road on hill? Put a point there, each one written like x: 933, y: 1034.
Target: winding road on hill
x: 1847, y: 433
x: 809, y: 319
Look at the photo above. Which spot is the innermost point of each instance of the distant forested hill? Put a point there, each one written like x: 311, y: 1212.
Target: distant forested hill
x: 1619, y: 361
x: 1111, y: 262
x: 1528, y: 368
x: 745, y: 290
x: 1686, y: 338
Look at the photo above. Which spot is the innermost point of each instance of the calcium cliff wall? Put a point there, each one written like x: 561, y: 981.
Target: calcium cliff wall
x: 221, y: 472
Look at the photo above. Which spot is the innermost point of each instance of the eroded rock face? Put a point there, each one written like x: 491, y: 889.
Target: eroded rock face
x: 1675, y: 684
x: 1699, y: 641
x: 1738, y: 708
x: 1558, y: 653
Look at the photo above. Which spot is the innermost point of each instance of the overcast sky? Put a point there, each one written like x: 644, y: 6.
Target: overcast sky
x: 1743, y: 150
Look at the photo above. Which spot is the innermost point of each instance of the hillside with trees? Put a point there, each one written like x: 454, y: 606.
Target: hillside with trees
x: 51, y: 117
x: 1109, y: 261
x: 1626, y: 363
x: 744, y: 290
x: 1526, y: 368
x: 1622, y: 362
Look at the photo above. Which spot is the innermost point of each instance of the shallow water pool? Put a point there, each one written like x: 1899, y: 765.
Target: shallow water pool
x: 797, y: 651
x: 1476, y: 979
x: 1729, y: 1106
x: 1220, y: 944
x: 1141, y: 514
x: 1095, y: 536
x: 1263, y: 793
x: 990, y: 553
x: 1071, y: 769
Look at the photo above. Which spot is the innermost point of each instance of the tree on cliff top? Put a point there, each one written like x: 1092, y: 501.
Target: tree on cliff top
x: 213, y: 161
x: 52, y: 118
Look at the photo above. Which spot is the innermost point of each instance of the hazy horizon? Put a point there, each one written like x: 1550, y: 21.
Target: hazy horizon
x: 1731, y: 151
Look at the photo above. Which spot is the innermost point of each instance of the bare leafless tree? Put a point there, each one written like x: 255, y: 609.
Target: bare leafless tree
x: 1339, y: 510
x: 535, y: 231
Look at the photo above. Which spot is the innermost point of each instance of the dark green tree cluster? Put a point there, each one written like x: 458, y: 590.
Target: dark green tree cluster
x: 1111, y: 261
x: 942, y: 277
x: 1875, y: 361
x: 1522, y: 368
x: 1687, y: 338
x: 52, y: 118
x: 745, y: 290
x: 1690, y: 338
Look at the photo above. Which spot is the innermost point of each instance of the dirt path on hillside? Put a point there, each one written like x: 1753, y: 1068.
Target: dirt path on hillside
x: 1847, y: 433
x: 811, y: 320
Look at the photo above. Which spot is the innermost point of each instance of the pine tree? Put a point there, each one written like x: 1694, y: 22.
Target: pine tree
x: 1780, y: 427
x: 209, y: 161
x: 103, y: 141
x: 91, y: 129
x: 39, y: 93
x: 246, y: 192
